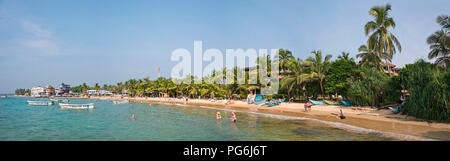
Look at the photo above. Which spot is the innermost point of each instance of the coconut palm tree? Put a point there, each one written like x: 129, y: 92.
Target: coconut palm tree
x: 285, y: 58
x: 319, y: 67
x: 439, y: 42
x: 300, y: 74
x: 381, y: 40
x: 369, y: 58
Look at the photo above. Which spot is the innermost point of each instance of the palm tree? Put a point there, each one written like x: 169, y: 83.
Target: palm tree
x: 439, y: 42
x: 381, y: 40
x: 369, y: 58
x: 319, y: 67
x: 285, y: 58
x: 299, y: 75
x: 345, y: 56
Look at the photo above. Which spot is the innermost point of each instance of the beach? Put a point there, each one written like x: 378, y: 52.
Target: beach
x: 369, y: 119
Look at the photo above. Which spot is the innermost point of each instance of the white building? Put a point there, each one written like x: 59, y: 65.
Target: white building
x: 38, y: 91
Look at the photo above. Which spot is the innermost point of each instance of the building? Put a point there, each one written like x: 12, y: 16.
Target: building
x: 104, y: 93
x: 63, y: 90
x: 92, y: 93
x: 393, y: 70
x: 49, y: 91
x: 38, y: 91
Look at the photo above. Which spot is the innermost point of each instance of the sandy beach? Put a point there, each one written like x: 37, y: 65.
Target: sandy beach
x: 362, y: 117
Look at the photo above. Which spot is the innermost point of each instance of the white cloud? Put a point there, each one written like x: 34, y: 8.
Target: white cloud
x: 40, y: 41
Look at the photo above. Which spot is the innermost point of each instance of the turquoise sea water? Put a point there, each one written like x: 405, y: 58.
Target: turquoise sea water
x: 20, y: 121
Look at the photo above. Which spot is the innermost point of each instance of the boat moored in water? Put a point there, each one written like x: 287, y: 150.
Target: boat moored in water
x: 59, y: 100
x: 120, y: 102
x: 40, y: 103
x: 77, y: 106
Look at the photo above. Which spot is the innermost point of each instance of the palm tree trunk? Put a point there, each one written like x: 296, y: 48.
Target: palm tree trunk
x: 321, y: 89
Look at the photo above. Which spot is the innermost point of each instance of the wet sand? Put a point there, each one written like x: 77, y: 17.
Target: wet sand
x: 367, y: 118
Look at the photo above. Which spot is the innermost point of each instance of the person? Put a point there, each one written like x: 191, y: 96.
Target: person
x: 341, y: 114
x: 132, y: 116
x: 291, y: 100
x: 218, y: 117
x: 308, y: 106
x: 233, y: 117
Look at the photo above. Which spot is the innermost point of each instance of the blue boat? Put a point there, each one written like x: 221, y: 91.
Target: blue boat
x: 346, y: 103
x: 269, y: 104
x: 259, y: 102
x: 317, y: 102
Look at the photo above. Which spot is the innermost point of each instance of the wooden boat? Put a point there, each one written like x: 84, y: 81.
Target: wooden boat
x: 331, y: 102
x: 77, y: 106
x: 40, y: 103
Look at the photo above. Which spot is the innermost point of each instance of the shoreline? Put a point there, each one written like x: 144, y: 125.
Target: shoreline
x: 360, y: 117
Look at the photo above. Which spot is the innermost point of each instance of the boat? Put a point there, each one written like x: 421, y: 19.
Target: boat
x: 316, y: 102
x: 59, y: 100
x: 77, y: 106
x: 2, y: 96
x: 331, y: 102
x: 40, y: 103
x: 259, y: 102
x: 346, y: 103
x: 120, y: 102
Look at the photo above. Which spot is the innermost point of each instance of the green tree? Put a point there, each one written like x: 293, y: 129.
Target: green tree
x: 439, y: 42
x: 319, y: 68
x: 340, y: 70
x: 381, y: 40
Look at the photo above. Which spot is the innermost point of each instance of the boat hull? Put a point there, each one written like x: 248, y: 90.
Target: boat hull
x: 76, y: 106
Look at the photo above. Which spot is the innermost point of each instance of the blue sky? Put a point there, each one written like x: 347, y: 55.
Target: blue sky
x: 53, y: 41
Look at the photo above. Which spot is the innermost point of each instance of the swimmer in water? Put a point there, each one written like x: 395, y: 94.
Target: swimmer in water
x: 233, y: 117
x: 132, y: 117
x: 218, y: 117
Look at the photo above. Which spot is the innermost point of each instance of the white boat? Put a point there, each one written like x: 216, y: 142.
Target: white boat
x: 2, y: 96
x: 120, y: 102
x: 77, y: 106
x: 40, y: 103
x: 59, y: 100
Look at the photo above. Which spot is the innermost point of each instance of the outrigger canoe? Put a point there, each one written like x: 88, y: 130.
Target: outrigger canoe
x: 331, y: 102
x: 317, y: 102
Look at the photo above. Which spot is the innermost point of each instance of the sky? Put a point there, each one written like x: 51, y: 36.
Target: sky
x: 108, y: 41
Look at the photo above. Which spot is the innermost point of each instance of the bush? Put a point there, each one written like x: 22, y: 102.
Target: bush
x: 367, y: 87
x: 429, y: 89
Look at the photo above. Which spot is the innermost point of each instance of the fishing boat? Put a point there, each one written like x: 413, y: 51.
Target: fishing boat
x: 40, y: 103
x: 59, y: 100
x: 77, y: 106
x: 120, y: 102
x: 2, y: 96
x: 316, y: 102
x: 331, y: 102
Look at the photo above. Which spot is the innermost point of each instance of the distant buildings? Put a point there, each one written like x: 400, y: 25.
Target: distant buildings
x: 38, y: 91
x: 63, y: 90
x: 99, y: 93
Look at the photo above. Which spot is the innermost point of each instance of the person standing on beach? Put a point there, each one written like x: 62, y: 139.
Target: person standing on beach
x: 341, y: 114
x: 291, y: 100
x: 308, y: 106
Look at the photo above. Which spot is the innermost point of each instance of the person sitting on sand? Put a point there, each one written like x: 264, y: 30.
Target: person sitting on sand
x: 341, y: 114
x: 233, y: 117
x: 291, y: 100
x: 218, y: 117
